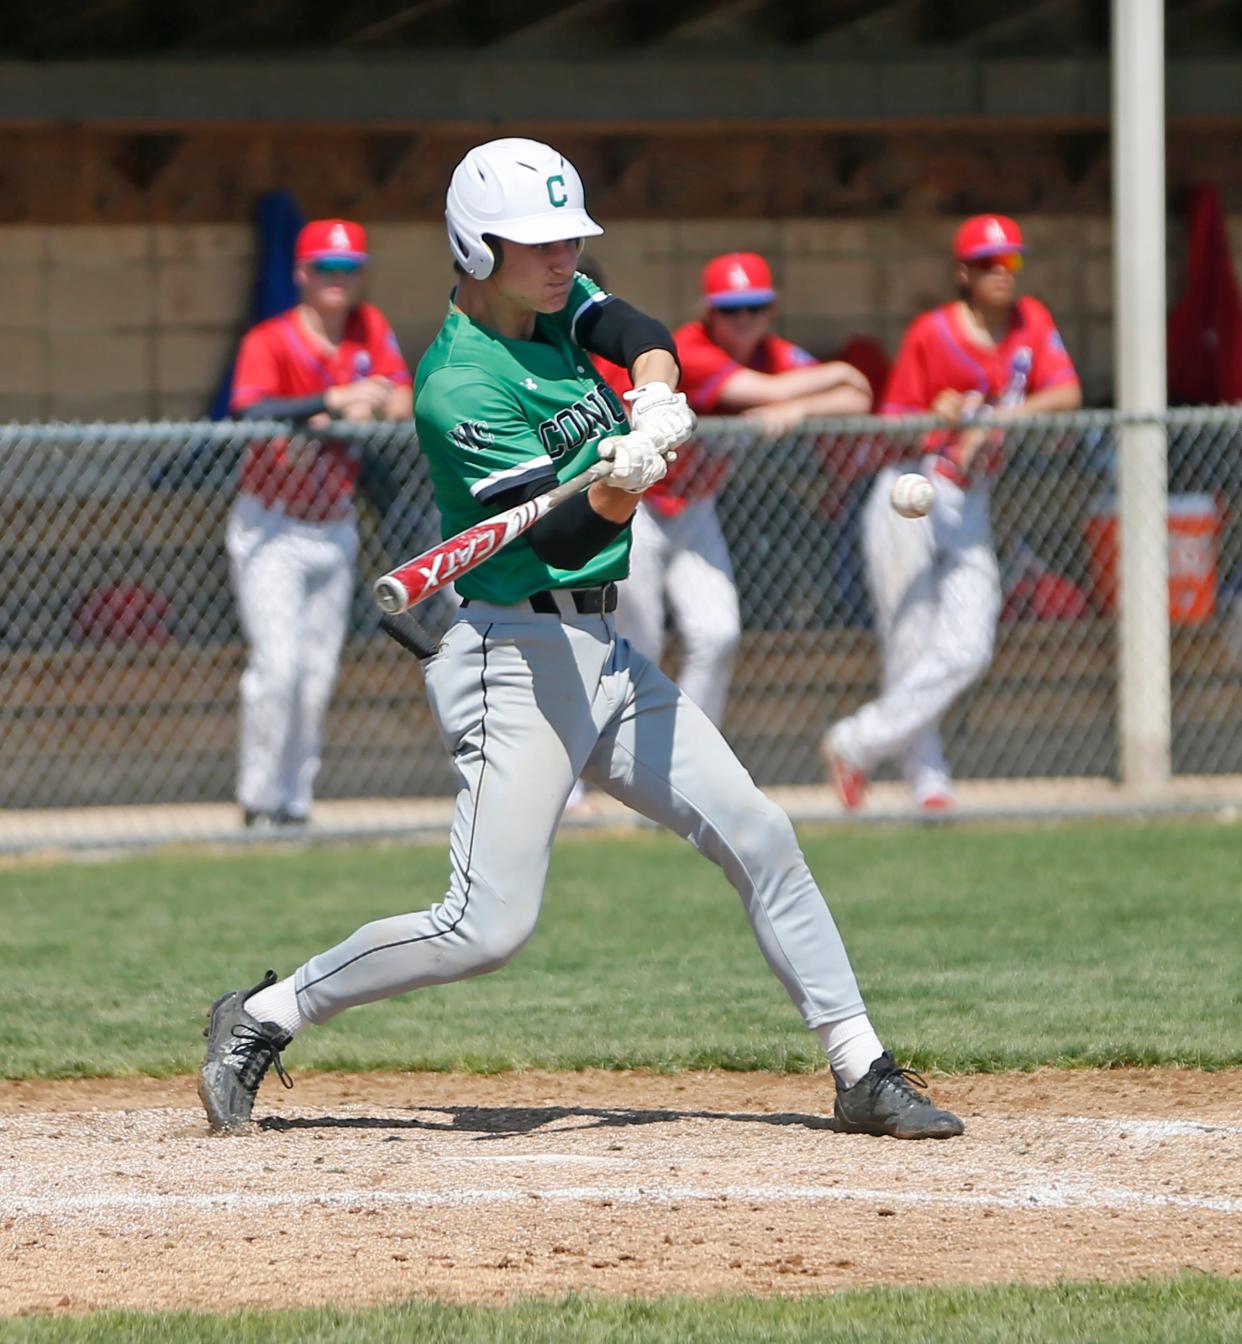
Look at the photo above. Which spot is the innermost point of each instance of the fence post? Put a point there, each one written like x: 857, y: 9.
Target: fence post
x: 1144, y: 718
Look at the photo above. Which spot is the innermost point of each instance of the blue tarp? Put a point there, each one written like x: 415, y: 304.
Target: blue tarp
x: 279, y: 221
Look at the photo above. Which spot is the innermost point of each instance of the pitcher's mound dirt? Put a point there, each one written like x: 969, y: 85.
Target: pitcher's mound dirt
x: 364, y: 1189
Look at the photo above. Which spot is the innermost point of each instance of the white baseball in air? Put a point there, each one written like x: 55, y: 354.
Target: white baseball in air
x: 913, y: 495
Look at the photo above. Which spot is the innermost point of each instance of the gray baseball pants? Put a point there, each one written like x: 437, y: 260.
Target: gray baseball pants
x: 685, y: 561
x: 525, y: 703
x: 294, y: 582
x: 935, y: 588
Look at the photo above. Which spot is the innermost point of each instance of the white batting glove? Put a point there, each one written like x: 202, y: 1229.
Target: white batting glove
x: 665, y: 415
x: 637, y: 462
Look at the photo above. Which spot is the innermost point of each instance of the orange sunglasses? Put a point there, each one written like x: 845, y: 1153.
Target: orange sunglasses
x: 1011, y: 261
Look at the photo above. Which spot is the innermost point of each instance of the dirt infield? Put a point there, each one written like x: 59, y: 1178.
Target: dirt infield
x: 367, y: 1189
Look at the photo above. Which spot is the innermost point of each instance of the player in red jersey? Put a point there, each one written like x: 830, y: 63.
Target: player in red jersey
x: 292, y: 537
x: 984, y: 359
x: 732, y: 363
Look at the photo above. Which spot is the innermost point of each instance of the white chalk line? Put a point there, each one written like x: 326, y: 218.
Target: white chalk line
x: 539, y: 1159
x: 1031, y: 1196
x: 1064, y: 1193
x: 1156, y: 1129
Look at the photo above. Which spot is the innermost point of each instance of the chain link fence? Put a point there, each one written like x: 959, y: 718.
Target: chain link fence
x: 120, y: 648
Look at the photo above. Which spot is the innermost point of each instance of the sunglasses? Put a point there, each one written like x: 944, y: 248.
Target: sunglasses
x: 1011, y: 261
x: 750, y: 308
x: 335, y: 265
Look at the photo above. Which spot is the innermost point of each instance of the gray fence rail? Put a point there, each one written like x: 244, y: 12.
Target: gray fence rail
x: 120, y: 649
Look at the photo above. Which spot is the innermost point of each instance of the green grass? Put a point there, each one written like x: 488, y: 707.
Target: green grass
x: 976, y: 947
x: 1185, y: 1310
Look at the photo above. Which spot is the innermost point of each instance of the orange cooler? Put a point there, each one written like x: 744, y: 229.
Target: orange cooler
x: 1193, y: 525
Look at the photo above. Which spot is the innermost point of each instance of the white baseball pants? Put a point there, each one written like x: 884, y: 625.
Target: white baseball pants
x: 294, y: 582
x: 684, y: 560
x: 525, y: 703
x: 935, y: 589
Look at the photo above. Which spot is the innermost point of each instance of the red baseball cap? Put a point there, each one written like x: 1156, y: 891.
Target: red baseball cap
x: 987, y: 236
x: 737, y: 279
x: 332, y: 240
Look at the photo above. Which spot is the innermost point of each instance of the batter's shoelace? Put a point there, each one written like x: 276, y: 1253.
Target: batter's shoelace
x: 257, y: 1052
x: 904, y: 1079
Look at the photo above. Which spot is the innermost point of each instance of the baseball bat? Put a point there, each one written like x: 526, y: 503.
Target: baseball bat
x: 417, y: 579
x: 407, y: 631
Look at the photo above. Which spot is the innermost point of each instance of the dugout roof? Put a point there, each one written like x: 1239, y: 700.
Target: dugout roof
x: 111, y: 29
x: 597, y: 65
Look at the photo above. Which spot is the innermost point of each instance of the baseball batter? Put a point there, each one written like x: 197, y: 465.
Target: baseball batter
x: 531, y: 685
x: 292, y: 537
x: 732, y: 363
x: 987, y: 358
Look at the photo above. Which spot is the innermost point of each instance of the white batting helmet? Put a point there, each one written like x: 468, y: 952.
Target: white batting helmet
x: 517, y: 189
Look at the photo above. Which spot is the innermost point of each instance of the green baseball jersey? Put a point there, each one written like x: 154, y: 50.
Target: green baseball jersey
x: 494, y: 413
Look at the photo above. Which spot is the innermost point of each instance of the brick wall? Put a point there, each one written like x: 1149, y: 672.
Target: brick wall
x: 118, y: 322
x: 126, y: 280
x: 139, y: 321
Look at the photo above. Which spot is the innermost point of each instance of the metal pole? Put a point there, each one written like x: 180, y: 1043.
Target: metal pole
x: 1139, y: 343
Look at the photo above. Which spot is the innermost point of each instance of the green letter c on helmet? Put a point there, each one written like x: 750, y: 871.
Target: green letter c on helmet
x: 556, y: 190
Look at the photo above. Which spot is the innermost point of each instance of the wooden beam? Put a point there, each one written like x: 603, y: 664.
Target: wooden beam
x: 644, y: 23
x: 503, y: 89
x: 697, y: 19
x: 997, y: 32
x: 498, y: 21
x: 799, y: 21
x: 259, y: 24
x: 387, y: 27
x: 94, y: 26
x: 562, y: 18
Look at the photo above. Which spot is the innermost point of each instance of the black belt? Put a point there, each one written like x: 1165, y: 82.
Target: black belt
x: 587, y: 601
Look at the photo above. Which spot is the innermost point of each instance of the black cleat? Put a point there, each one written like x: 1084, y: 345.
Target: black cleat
x: 885, y: 1101
x: 240, y: 1050
x: 255, y: 820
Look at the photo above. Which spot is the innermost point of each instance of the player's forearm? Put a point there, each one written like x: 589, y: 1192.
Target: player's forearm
x: 400, y: 405
x: 574, y: 534
x: 1062, y: 397
x: 839, y: 401
x: 616, y: 506
x: 284, y: 408
x: 747, y: 388
x: 655, y: 366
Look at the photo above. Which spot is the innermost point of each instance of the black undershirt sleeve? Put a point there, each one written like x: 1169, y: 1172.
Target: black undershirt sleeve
x: 284, y: 408
x: 619, y: 332
x: 570, y: 535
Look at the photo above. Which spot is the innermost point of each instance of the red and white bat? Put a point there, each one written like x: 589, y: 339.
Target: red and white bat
x: 417, y: 579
